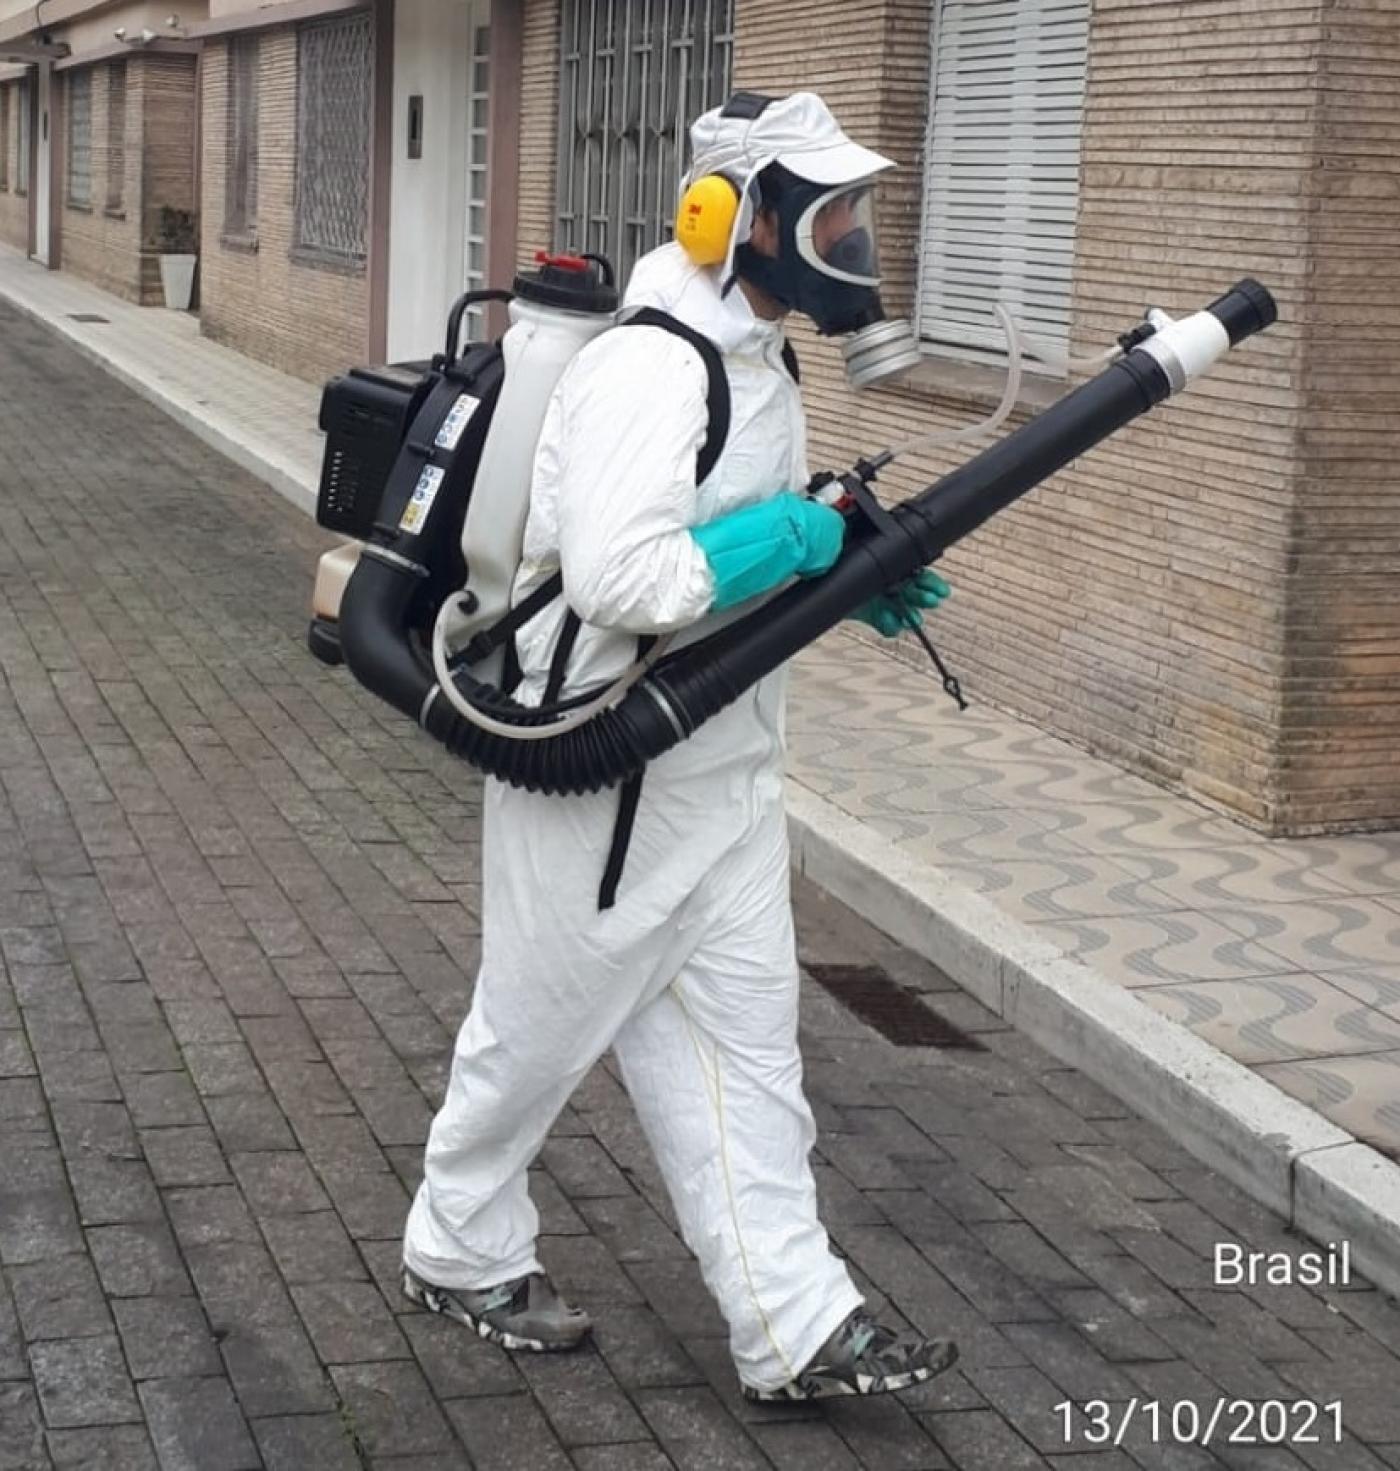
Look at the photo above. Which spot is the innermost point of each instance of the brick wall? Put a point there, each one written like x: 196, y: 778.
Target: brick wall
x: 539, y: 122
x: 310, y: 320
x: 14, y: 206
x: 117, y: 246
x: 1339, y: 744
x: 1171, y: 600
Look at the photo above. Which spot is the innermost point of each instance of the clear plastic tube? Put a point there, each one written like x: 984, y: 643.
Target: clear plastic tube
x: 565, y: 722
x: 1019, y: 344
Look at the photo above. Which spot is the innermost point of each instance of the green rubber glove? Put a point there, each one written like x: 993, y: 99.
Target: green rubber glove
x: 892, y: 612
x: 759, y: 547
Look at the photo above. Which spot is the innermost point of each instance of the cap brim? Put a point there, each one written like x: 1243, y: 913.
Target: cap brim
x: 842, y: 163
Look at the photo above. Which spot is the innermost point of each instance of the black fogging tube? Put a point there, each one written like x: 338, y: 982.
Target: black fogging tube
x: 688, y: 687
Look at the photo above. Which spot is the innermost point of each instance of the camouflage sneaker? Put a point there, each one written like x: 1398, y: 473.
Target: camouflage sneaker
x: 861, y: 1357
x: 524, y: 1314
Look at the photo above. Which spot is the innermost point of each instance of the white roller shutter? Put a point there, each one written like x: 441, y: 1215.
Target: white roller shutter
x: 1001, y: 181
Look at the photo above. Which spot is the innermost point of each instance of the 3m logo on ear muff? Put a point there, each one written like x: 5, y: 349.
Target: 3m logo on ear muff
x: 705, y: 219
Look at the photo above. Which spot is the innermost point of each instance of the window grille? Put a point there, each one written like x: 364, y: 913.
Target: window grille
x: 116, y: 133
x: 1001, y: 184
x: 6, y: 103
x: 80, y: 138
x: 333, y: 122
x: 478, y: 102
x: 22, y: 137
x: 632, y: 76
x: 241, y: 138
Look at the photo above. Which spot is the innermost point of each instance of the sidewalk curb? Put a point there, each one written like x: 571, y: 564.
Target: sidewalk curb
x: 1281, y: 1152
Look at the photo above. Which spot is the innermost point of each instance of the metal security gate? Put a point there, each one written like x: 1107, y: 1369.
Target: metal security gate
x: 632, y: 76
x: 478, y: 108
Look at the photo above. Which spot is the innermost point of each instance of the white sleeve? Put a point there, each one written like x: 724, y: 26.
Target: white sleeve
x: 624, y: 429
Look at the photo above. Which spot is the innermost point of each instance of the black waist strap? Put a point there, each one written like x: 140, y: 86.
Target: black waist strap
x: 626, y: 816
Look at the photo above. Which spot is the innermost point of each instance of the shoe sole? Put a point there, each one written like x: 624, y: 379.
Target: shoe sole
x: 435, y: 1300
x: 866, y: 1384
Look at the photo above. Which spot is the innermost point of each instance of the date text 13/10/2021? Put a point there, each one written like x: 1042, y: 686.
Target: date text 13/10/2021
x: 1238, y: 1422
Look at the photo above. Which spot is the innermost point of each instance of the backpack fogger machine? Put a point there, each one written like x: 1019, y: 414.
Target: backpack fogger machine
x: 428, y: 466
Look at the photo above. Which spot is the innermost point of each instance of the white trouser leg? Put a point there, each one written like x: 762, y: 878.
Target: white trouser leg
x: 557, y: 980
x: 713, y: 1068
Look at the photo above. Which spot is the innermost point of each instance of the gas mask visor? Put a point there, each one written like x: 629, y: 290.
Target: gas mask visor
x: 834, y: 235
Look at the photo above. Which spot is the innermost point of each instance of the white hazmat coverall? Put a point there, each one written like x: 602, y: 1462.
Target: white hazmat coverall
x: 691, y: 977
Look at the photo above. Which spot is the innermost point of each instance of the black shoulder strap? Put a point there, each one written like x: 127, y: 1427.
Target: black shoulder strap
x: 716, y: 399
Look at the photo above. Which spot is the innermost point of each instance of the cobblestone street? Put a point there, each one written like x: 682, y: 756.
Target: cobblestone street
x: 238, y: 928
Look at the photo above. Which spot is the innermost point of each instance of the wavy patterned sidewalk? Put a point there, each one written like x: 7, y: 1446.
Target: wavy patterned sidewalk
x: 1283, y: 953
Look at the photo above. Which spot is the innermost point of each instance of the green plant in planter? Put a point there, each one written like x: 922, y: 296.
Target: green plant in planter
x: 176, y: 233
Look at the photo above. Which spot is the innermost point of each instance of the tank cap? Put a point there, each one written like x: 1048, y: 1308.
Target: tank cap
x: 575, y: 283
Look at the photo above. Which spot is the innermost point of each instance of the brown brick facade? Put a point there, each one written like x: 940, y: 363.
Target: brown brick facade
x: 539, y: 123
x: 311, y: 320
x: 116, y: 245
x: 14, y: 203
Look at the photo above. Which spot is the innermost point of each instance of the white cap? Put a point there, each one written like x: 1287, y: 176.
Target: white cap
x: 798, y: 132
x: 748, y: 133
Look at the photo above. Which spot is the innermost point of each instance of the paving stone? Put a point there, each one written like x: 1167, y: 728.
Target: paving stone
x: 1115, y: 1335
x: 166, y: 1337
x: 507, y: 1434
x: 348, y: 1322
x: 59, y: 1298
x: 581, y: 1399
x: 996, y: 1293
x: 581, y: 1167
x: 161, y: 1100
x: 630, y: 1229
x: 12, y: 1361
x: 196, y: 1426
x: 201, y: 1021
x: 312, y: 1247
x: 640, y: 1350
x: 210, y: 1214
x: 673, y: 1288
x: 304, y: 1442
x: 249, y: 1122
x: 340, y: 1141
x: 455, y: 1361
x: 631, y: 1457
x: 696, y: 1431
x: 397, y: 1115
x: 278, y: 1183
x: 981, y: 1438
x: 21, y: 1430
x: 803, y: 1447
x: 274, y: 1368
x: 87, y: 1076
x: 220, y: 1068
x: 373, y: 1205
x: 113, y: 1190
x: 36, y: 1223
x: 15, y: 1058
x: 83, y: 1381
x: 139, y: 1260
x: 392, y: 1410
x: 112, y: 1448
x: 140, y: 1047
x: 186, y: 1155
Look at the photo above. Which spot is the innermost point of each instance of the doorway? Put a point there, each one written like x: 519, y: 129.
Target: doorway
x: 438, y: 188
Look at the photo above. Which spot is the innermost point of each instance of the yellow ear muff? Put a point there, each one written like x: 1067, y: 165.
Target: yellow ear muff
x: 705, y: 219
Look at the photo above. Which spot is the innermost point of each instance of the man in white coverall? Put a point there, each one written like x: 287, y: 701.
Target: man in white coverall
x: 691, y: 975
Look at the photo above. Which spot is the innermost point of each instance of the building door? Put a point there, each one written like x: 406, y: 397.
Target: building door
x: 437, y: 224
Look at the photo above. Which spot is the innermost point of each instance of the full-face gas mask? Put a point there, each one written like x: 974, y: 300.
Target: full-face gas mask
x: 826, y: 267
